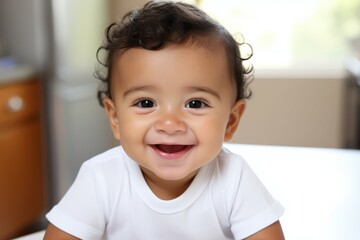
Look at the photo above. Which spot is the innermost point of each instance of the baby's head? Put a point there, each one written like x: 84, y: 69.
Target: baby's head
x: 159, y: 24
x: 174, y: 88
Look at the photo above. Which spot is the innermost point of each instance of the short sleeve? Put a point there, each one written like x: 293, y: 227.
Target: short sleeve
x: 253, y: 207
x: 80, y: 212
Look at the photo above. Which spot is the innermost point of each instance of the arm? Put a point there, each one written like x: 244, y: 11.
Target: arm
x: 272, y: 232
x: 54, y: 233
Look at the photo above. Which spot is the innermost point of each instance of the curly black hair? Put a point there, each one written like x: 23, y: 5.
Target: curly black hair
x: 160, y: 23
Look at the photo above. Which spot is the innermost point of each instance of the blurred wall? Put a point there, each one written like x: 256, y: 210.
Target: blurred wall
x: 304, y: 111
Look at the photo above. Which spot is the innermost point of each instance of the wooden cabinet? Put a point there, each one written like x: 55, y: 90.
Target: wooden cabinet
x: 22, y: 188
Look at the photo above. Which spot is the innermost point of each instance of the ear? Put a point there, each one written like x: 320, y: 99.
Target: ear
x: 234, y: 119
x: 112, y: 117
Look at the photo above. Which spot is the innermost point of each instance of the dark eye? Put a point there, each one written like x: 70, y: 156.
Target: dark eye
x: 196, y: 104
x: 145, y: 103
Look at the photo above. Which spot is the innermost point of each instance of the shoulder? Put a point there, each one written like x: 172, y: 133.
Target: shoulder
x: 105, y: 169
x: 229, y: 172
x: 249, y: 205
x: 234, y: 173
x: 108, y: 161
x: 110, y: 156
x: 234, y: 179
x: 230, y: 165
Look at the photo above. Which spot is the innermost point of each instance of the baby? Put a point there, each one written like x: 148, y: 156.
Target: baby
x: 174, y: 91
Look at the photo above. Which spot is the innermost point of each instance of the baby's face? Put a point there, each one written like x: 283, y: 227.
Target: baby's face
x: 173, y: 108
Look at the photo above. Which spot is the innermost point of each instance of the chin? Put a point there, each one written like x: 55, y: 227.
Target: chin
x: 175, y: 175
x: 171, y: 176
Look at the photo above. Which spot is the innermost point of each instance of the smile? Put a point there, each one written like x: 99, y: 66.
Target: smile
x: 170, y: 152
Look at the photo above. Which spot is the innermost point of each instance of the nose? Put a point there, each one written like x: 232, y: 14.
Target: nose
x: 170, y: 123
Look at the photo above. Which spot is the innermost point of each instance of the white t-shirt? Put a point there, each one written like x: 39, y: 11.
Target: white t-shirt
x: 111, y: 200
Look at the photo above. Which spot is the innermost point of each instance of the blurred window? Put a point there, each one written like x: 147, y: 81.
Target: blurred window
x: 301, y: 34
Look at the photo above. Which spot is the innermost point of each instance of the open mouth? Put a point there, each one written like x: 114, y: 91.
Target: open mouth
x: 170, y: 148
x: 170, y: 151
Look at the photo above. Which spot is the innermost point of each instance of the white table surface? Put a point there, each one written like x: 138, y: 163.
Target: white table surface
x: 319, y: 188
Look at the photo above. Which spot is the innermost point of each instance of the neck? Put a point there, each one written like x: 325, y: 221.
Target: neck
x: 167, y: 189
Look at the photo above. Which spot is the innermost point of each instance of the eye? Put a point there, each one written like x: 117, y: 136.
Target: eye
x: 145, y: 103
x: 195, y: 103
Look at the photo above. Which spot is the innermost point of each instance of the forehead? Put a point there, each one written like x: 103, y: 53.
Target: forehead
x: 200, y: 52
x: 173, y: 66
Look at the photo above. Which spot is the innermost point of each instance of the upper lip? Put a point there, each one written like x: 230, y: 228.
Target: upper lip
x: 169, y: 144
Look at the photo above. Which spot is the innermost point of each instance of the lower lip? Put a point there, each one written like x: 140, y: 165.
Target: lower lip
x: 171, y: 156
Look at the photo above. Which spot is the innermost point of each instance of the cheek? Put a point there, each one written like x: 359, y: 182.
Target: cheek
x: 133, y: 126
x: 210, y: 134
x: 212, y: 128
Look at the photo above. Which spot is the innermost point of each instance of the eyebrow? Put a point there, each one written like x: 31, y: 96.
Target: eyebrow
x: 137, y: 89
x: 206, y: 90
x: 191, y: 88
